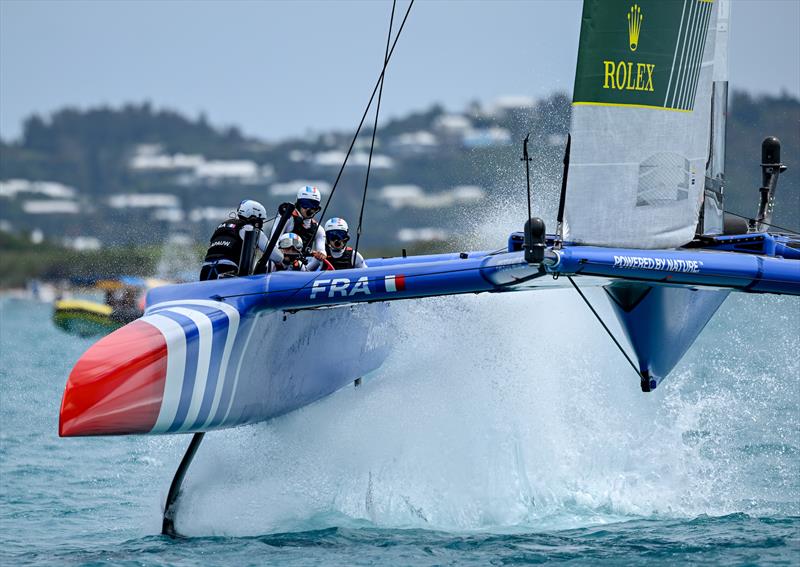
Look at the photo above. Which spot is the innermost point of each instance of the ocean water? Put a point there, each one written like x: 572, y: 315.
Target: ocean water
x: 504, y: 429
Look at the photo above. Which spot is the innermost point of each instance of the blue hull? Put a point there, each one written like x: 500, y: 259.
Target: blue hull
x: 732, y: 270
x: 217, y: 354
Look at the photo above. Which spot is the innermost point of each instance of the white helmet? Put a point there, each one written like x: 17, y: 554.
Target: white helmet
x: 311, y: 193
x: 290, y: 240
x: 251, y: 210
x: 336, y: 223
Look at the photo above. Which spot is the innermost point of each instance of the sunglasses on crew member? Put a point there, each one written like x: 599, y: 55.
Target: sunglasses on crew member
x: 337, y: 238
x: 309, y: 204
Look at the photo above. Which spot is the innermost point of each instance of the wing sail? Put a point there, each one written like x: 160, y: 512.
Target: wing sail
x: 640, y: 122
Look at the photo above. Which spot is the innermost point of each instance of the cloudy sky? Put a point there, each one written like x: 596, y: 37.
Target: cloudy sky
x: 278, y: 68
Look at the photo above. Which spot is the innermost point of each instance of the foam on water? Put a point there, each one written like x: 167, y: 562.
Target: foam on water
x: 515, y: 412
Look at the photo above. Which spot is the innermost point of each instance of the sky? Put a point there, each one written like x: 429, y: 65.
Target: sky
x: 276, y: 68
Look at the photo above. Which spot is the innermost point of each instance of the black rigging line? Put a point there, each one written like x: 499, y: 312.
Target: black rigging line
x: 526, y: 158
x: 374, y: 130
x: 610, y: 334
x: 563, y: 196
x: 789, y: 230
x: 364, y: 116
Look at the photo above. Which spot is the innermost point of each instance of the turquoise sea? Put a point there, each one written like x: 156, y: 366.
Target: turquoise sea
x: 503, y: 430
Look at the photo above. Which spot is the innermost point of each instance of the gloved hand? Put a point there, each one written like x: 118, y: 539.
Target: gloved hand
x: 319, y: 255
x: 283, y: 207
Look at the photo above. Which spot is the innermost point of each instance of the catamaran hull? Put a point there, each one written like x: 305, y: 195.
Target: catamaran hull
x: 212, y: 355
x: 199, y: 365
x: 217, y: 354
x: 694, y: 268
x: 661, y: 322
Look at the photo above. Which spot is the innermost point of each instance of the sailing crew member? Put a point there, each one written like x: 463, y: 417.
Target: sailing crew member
x: 340, y: 256
x: 303, y: 223
x: 290, y: 249
x: 225, y: 247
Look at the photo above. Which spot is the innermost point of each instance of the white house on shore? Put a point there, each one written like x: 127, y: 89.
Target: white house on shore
x: 414, y: 143
x: 51, y: 207
x: 425, y: 234
x: 195, y: 169
x: 216, y: 214
x: 335, y: 158
x: 289, y: 190
x: 13, y: 187
x: 143, y: 201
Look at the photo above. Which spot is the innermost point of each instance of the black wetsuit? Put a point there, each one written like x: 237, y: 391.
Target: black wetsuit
x: 307, y: 235
x: 343, y: 262
x: 224, y: 250
x: 282, y: 266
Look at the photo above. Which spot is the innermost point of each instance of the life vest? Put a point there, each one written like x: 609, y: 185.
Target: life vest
x: 281, y: 267
x: 226, y: 243
x: 307, y: 235
x: 343, y: 262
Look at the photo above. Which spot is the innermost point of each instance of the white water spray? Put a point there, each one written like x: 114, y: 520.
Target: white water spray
x: 516, y: 412
x: 510, y: 412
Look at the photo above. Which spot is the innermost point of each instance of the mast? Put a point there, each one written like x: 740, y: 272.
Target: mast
x: 711, y: 216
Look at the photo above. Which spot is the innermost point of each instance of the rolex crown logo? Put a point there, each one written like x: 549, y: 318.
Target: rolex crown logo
x: 634, y: 26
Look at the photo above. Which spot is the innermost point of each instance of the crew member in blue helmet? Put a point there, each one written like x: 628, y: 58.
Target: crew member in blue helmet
x: 304, y: 225
x: 339, y: 255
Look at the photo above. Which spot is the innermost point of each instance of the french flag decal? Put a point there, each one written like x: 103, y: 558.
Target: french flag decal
x: 395, y: 282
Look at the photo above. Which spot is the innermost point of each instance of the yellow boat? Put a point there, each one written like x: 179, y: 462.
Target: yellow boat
x: 124, y: 302
x: 84, y: 318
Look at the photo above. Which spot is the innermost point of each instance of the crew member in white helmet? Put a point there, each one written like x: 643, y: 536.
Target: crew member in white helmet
x: 225, y: 246
x: 340, y: 255
x: 303, y: 224
x: 290, y: 248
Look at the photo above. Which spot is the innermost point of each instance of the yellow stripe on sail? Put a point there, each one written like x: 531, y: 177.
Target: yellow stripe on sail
x: 630, y: 106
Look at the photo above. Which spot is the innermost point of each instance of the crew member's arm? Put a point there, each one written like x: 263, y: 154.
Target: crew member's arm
x: 359, y: 261
x: 276, y: 255
x: 319, y: 243
x: 313, y: 265
x: 288, y: 227
x: 262, y: 239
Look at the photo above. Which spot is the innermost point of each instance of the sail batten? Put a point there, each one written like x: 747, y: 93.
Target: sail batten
x: 641, y: 122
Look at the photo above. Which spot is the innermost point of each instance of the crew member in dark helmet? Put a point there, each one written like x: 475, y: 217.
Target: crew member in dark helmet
x: 303, y: 223
x: 339, y: 255
x: 225, y: 248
